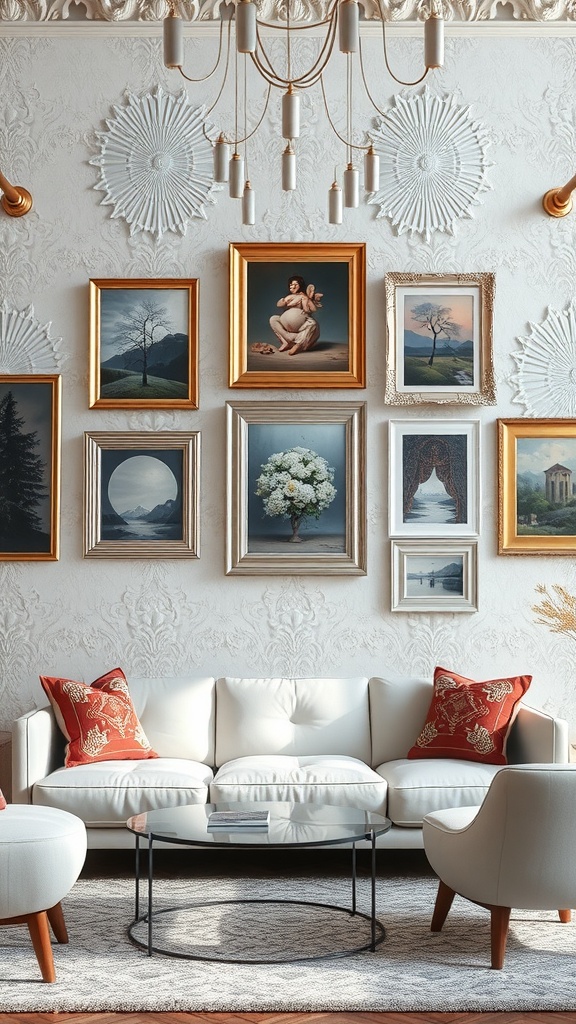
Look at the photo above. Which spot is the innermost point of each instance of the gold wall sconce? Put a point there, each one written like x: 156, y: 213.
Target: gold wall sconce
x: 558, y: 201
x: 16, y: 200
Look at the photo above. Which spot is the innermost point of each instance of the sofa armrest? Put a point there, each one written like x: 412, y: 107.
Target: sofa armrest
x: 37, y: 749
x: 538, y: 738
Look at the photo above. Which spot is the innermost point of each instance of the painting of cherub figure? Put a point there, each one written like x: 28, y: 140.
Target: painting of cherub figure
x: 296, y: 328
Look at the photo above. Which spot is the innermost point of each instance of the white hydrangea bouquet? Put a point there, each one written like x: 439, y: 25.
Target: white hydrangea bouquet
x: 295, y: 484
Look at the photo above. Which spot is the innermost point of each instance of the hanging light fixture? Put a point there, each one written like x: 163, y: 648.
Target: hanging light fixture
x: 343, y: 21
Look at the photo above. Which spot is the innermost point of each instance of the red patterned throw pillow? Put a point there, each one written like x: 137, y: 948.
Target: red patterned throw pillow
x: 99, y: 721
x: 2, y: 801
x: 470, y: 721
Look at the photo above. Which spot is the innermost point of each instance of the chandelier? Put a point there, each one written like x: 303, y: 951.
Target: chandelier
x: 342, y: 20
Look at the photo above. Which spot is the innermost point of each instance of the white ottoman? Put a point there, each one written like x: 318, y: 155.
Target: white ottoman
x: 42, y: 851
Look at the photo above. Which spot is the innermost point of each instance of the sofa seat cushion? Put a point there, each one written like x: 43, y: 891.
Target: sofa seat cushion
x: 325, y: 779
x: 106, y: 793
x: 416, y: 788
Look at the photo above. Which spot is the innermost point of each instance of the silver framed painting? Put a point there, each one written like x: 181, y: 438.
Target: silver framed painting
x: 439, y: 339
x: 434, y: 576
x: 142, y: 495
x: 296, y: 488
x: 434, y: 478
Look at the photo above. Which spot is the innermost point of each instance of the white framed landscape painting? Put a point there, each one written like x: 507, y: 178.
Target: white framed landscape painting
x: 434, y: 576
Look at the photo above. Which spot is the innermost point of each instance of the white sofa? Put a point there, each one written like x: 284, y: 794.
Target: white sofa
x: 339, y: 741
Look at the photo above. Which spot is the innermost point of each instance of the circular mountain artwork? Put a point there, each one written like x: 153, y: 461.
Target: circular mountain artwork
x: 141, y: 500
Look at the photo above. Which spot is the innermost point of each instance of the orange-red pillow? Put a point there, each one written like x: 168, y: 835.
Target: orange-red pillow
x: 99, y: 721
x: 2, y: 801
x: 470, y: 721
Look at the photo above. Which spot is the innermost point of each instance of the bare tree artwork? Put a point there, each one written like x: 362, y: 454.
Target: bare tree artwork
x: 136, y: 331
x: 437, y: 320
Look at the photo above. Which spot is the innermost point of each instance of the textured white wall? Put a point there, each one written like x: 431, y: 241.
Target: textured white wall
x: 80, y: 617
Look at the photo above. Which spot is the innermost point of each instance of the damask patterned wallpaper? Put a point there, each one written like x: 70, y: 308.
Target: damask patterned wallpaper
x: 82, y: 617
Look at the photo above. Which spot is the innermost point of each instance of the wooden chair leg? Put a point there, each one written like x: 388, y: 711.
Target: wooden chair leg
x: 444, y: 899
x: 56, y: 919
x: 565, y: 916
x: 40, y: 935
x: 499, y: 923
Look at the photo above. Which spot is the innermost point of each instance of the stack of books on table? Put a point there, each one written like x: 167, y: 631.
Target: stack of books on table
x: 239, y: 821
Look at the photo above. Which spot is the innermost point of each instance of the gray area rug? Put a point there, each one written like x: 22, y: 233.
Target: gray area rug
x: 412, y: 970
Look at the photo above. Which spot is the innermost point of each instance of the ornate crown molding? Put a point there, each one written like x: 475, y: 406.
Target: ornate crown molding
x: 275, y: 10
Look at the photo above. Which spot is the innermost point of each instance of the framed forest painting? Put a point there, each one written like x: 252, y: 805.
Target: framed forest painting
x: 144, y: 344
x: 29, y: 466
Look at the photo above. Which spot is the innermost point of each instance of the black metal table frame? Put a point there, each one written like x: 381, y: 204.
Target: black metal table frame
x: 377, y: 930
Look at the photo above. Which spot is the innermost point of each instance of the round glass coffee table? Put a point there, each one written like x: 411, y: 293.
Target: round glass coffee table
x: 291, y: 826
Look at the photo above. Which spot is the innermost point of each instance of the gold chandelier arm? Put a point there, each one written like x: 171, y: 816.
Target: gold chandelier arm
x: 388, y: 68
x: 16, y: 200
x: 313, y: 74
x: 215, y: 68
x: 558, y: 201
x: 239, y: 142
x: 348, y: 143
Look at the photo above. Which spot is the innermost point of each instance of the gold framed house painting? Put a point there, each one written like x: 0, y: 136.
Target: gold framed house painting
x: 439, y: 339
x: 297, y: 315
x: 142, y: 495
x: 537, y: 486
x: 144, y: 344
x: 29, y: 467
x: 296, y: 488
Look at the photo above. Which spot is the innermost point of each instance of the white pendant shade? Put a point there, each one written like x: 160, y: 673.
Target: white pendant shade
x: 288, y: 170
x: 335, y: 204
x: 371, y: 171
x: 173, y: 45
x: 248, y: 205
x: 351, y: 186
x: 236, y: 178
x: 348, y: 21
x: 221, y: 160
x: 290, y: 115
x: 245, y: 26
x: 434, y: 42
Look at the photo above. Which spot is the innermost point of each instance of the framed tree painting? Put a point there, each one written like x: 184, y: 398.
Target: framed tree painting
x: 537, y: 487
x: 434, y: 478
x: 434, y: 576
x: 439, y: 339
x: 297, y: 315
x: 296, y: 488
x: 141, y: 494
x: 144, y: 344
x: 29, y: 467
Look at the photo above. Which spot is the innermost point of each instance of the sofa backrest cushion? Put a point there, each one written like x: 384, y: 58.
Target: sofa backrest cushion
x: 177, y: 715
x: 398, y: 709
x: 300, y: 717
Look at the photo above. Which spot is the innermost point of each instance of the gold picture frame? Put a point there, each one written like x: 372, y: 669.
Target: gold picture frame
x: 270, y: 535
x: 309, y: 335
x: 442, y: 317
x: 133, y: 365
x: 536, y: 496
x: 123, y: 470
x: 30, y: 417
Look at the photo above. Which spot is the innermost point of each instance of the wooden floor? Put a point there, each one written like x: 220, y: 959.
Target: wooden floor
x: 288, y: 1018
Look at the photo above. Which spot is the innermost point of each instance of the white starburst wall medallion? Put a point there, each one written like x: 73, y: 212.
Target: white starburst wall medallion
x: 546, y: 367
x: 25, y: 343
x: 433, y: 164
x: 156, y: 163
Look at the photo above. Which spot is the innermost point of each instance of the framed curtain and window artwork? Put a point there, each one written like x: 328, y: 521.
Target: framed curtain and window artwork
x: 439, y: 339
x: 296, y: 488
x: 144, y: 344
x: 141, y: 494
x: 434, y: 478
x: 434, y: 576
x: 30, y: 409
x: 297, y: 315
x: 537, y: 486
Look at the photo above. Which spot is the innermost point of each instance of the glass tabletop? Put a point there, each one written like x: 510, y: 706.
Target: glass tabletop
x: 291, y: 824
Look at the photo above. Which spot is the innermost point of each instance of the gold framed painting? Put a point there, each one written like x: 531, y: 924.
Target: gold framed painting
x: 297, y: 315
x: 439, y: 339
x: 30, y: 410
x: 537, y: 486
x: 144, y: 343
x: 142, y: 494
x: 296, y: 488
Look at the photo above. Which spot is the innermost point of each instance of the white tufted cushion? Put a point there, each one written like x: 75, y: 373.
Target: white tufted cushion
x: 177, y: 714
x: 297, y: 717
x: 416, y: 788
x: 108, y: 792
x: 325, y: 779
x: 42, y: 851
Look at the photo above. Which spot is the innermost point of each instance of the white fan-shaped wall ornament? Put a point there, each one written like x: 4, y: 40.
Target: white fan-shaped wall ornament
x: 25, y: 343
x: 546, y: 367
x: 432, y: 161
x: 156, y: 166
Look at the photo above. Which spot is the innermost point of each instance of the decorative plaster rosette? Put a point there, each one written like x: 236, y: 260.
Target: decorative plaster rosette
x: 25, y: 344
x: 156, y: 162
x: 546, y: 375
x: 432, y: 161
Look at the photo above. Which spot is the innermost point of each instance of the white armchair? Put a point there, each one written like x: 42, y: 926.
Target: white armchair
x: 515, y: 850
